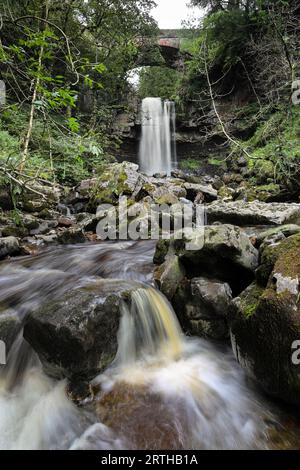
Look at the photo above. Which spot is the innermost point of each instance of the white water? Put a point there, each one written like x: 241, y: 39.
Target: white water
x: 158, y: 146
x: 164, y: 390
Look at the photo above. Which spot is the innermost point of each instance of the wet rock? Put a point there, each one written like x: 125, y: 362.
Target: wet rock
x: 202, y: 306
x: 168, y: 276
x: 43, y: 227
x: 47, y: 239
x: 223, y: 250
x: 167, y: 198
x: 166, y: 192
x: 76, y: 336
x: 265, y: 193
x: 253, y: 213
x: 71, y: 236
x: 265, y: 324
x: 10, y: 327
x: 9, y: 246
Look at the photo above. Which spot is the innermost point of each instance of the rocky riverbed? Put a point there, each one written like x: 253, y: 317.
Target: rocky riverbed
x: 240, y: 287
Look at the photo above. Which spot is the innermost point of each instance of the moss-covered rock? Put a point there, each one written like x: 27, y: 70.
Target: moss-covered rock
x: 116, y: 180
x: 287, y: 250
x: 265, y: 322
x: 14, y: 231
x: 287, y: 230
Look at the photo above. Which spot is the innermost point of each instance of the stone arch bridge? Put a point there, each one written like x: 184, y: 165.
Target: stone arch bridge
x: 162, y: 51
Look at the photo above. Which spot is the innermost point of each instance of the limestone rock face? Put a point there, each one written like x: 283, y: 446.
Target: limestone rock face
x: 265, y: 322
x: 253, y: 213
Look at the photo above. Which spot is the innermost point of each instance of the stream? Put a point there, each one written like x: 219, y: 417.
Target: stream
x: 164, y: 390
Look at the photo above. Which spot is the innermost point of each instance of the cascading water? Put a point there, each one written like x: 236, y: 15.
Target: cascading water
x: 163, y: 390
x: 158, y: 144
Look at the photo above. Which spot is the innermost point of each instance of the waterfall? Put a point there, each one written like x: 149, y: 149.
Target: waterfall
x: 158, y: 145
x: 164, y: 390
x: 149, y: 329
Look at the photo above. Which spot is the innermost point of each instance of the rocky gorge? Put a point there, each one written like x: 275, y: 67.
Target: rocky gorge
x: 241, y: 286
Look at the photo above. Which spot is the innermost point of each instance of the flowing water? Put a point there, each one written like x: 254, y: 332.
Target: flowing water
x: 163, y: 391
x: 158, y: 145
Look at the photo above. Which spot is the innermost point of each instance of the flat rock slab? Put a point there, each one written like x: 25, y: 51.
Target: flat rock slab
x: 253, y: 213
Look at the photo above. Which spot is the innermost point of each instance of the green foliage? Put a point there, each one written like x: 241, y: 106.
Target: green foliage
x: 56, y: 153
x: 275, y: 146
x: 158, y: 82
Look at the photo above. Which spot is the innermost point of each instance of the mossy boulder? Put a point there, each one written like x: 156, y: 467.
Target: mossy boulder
x: 264, y: 170
x: 264, y: 193
x: 286, y: 230
x: 116, y: 180
x: 265, y: 322
x: 14, y: 231
x: 41, y: 198
x: 286, y: 249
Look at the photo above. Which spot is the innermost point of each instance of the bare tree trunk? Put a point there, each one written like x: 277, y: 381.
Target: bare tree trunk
x: 33, y: 100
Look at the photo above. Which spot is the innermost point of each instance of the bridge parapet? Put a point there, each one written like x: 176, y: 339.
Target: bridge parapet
x: 169, y: 42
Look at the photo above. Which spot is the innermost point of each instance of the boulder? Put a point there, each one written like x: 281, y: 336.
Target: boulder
x: 269, y: 254
x: 9, y: 246
x: 118, y: 179
x: 202, y: 306
x: 14, y: 231
x: 265, y: 324
x: 33, y: 201
x: 243, y: 213
x: 224, y: 250
x: 76, y: 336
x: 169, y: 275
x: 193, y: 189
x: 71, y: 235
x: 285, y: 230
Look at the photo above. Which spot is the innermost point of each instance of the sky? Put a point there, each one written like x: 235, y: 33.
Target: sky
x: 170, y: 13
